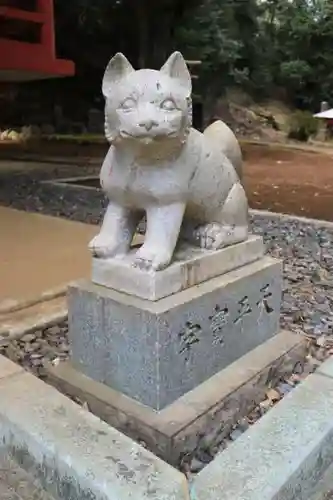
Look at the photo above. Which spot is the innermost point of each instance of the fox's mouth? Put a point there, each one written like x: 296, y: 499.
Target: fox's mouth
x: 146, y: 137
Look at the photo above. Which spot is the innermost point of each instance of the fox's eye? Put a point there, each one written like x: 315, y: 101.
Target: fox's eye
x: 168, y: 105
x: 128, y: 104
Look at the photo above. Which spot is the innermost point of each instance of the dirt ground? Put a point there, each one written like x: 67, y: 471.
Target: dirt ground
x: 289, y: 180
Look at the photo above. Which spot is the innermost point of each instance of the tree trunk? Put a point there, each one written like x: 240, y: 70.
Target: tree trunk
x: 142, y: 13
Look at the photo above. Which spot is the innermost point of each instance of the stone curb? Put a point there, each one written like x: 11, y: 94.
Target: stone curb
x: 52, y: 160
x: 309, y: 148
x: 24, y: 327
x: 69, y: 182
x: 74, y: 454
x: 283, y: 455
x: 292, y: 218
x: 8, y: 306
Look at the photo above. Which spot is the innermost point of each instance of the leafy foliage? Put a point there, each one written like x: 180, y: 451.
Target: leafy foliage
x: 302, y: 126
x: 269, y: 47
x: 218, y: 33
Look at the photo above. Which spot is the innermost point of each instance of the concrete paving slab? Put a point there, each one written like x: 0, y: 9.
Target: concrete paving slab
x: 40, y: 255
x: 39, y: 252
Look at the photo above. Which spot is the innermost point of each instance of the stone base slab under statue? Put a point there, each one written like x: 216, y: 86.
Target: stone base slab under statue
x: 191, y: 266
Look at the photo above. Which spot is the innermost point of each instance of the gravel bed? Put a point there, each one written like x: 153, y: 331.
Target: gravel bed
x: 25, y: 191
x: 35, y: 348
x: 307, y: 306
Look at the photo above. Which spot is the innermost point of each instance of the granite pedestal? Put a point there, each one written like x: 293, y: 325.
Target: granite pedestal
x: 177, y: 366
x: 156, y: 351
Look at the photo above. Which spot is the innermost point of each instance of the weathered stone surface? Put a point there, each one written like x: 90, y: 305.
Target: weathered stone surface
x: 8, y: 368
x: 73, y: 453
x: 184, y: 181
x: 326, y: 368
x: 323, y: 490
x: 191, y: 266
x: 200, y: 418
x: 157, y: 351
x: 282, y: 456
x: 17, y: 484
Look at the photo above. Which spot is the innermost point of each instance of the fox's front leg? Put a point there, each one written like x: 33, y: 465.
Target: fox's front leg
x: 116, y: 234
x: 163, y: 226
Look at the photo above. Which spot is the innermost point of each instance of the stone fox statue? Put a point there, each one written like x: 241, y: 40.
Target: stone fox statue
x: 184, y: 181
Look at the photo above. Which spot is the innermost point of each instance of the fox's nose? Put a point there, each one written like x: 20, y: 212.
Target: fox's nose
x: 148, y: 124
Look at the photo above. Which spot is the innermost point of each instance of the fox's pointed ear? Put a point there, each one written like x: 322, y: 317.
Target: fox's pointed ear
x: 176, y: 67
x: 118, y: 67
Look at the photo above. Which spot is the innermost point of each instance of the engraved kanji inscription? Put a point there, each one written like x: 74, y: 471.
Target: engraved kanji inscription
x: 188, y: 337
x: 263, y: 302
x: 218, y: 321
x: 244, y: 308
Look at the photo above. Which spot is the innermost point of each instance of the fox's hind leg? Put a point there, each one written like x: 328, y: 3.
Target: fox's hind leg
x: 228, y: 227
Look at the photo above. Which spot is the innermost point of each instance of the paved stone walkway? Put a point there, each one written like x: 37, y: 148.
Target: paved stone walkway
x: 16, y: 484
x: 39, y: 253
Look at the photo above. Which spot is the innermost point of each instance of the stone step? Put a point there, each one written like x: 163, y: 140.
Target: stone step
x: 17, y: 484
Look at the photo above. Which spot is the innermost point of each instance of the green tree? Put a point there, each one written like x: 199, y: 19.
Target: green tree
x: 221, y: 35
x: 298, y: 35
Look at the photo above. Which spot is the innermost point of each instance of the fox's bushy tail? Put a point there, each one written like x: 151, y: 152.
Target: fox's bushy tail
x: 224, y: 138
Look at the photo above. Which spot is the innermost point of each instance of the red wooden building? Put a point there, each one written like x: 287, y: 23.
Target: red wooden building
x: 27, y: 42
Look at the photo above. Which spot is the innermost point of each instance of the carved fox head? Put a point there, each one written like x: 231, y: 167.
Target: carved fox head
x: 147, y: 105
